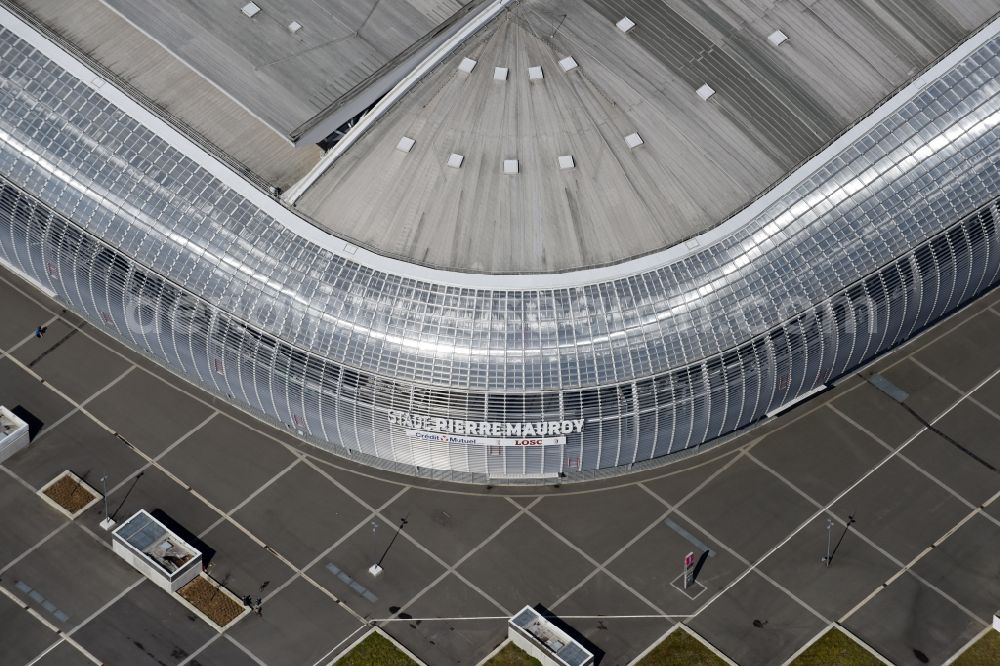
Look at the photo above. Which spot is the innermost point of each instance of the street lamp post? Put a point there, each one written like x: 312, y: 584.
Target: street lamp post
x: 107, y: 523
x: 829, y: 527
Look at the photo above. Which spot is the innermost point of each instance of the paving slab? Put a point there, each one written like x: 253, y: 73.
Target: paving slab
x: 756, y: 623
x: 970, y: 428
x: 925, y: 394
x: 909, y: 623
x: 993, y: 509
x: 163, y: 497
x: 24, y: 520
x: 855, y: 570
x: 821, y: 453
x: 966, y: 355
x: 748, y: 508
x: 989, y: 394
x: 69, y: 577
x: 222, y: 652
x: 618, y: 641
x: 955, y: 468
x: 22, y: 637
x: 299, y: 625
x: 242, y: 565
x: 406, y: 570
x: 900, y: 509
x: 20, y: 317
x: 965, y: 566
x: 595, y: 522
x: 146, y: 626
x: 449, y: 640
x: 653, y: 565
x: 450, y: 525
x: 81, y: 446
x: 369, y: 489
x: 225, y: 461
x: 525, y: 565
x: 68, y: 359
x: 64, y: 654
x: 30, y: 399
x: 673, y: 485
x: 147, y: 412
x: 301, y: 514
x: 603, y: 595
x: 876, y: 412
x: 452, y: 643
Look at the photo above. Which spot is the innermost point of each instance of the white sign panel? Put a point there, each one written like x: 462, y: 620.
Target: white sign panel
x: 488, y: 429
x: 445, y: 438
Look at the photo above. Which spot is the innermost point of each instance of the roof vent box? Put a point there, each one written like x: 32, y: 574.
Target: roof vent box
x: 405, y: 144
x: 250, y: 10
x: 568, y: 64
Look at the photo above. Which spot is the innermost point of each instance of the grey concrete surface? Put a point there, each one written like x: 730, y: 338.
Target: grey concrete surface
x: 148, y: 413
x: 525, y: 562
x: 299, y: 625
x: 909, y: 623
x: 756, y: 623
x: 71, y: 571
x: 80, y: 445
x: 964, y: 566
x: 301, y: 514
x: 66, y: 358
x: 896, y: 508
x: 202, y: 461
x: 856, y: 568
x: 144, y: 627
x: 406, y: 570
x: 23, y: 636
x: 265, y: 505
x: 767, y: 509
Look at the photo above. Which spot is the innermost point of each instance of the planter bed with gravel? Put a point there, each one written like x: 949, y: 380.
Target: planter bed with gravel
x: 69, y: 494
x: 212, y: 601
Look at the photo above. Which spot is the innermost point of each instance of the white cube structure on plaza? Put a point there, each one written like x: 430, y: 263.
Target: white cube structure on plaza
x: 543, y: 640
x: 13, y: 433
x: 159, y: 554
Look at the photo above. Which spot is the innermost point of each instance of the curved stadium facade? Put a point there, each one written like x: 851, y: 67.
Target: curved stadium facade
x: 474, y: 377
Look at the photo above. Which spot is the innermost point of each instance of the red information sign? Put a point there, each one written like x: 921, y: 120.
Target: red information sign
x: 688, y: 560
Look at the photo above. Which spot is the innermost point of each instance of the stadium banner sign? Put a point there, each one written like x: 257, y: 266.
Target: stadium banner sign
x: 445, y: 438
x: 488, y: 429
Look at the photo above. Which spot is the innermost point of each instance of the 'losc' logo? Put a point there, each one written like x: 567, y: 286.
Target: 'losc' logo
x: 528, y: 442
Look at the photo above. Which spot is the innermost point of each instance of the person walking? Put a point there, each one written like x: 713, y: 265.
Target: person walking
x: 40, y: 331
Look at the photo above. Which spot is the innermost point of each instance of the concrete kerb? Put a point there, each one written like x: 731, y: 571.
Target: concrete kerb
x: 495, y: 652
x: 83, y: 484
x: 694, y: 634
x: 844, y: 630
x: 953, y: 658
x: 194, y: 609
x: 378, y: 630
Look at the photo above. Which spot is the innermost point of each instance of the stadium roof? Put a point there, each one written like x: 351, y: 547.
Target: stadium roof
x: 771, y: 104
x: 294, y: 63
